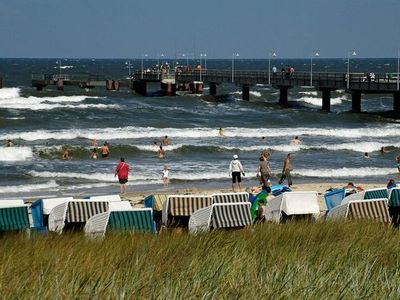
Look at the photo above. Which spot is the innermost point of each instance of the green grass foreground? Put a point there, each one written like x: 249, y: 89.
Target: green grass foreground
x: 296, y: 260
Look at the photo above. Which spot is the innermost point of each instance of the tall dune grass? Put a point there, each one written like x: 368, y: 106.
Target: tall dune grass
x: 296, y: 260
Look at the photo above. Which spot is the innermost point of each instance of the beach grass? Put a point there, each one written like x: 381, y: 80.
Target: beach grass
x: 294, y: 260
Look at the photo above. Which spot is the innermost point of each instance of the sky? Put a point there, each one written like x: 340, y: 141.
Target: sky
x: 252, y: 28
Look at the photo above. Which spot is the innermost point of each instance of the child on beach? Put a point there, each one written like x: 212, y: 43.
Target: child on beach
x: 261, y: 212
x: 165, y: 174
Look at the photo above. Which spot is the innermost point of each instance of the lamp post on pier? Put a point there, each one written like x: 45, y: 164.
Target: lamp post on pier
x: 234, y: 55
x: 128, y: 63
x: 348, y: 66
x: 143, y: 55
x: 316, y: 54
x: 269, y: 66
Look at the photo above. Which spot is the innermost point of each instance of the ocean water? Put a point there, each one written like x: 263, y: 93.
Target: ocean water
x: 42, y: 123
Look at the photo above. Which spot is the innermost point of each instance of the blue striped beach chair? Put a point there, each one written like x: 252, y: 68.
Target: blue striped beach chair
x: 139, y: 220
x: 221, y: 215
x: 13, y: 215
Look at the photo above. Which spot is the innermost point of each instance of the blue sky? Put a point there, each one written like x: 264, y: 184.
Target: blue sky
x: 128, y: 28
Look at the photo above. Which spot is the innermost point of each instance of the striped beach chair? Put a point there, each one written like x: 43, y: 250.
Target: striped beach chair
x: 292, y: 205
x: 155, y: 201
x: 394, y: 206
x: 138, y: 220
x: 183, y: 206
x: 230, y: 197
x: 367, y: 209
x: 13, y: 215
x: 221, y: 215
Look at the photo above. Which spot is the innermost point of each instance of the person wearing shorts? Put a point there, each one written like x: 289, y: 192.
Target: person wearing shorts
x: 236, y: 169
x: 122, y: 172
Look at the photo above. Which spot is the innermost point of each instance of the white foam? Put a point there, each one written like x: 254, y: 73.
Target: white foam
x: 318, y: 101
x: 15, y: 153
x: 28, y: 187
x: 309, y: 93
x: 14, y: 101
x: 155, y: 148
x: 64, y: 67
x: 254, y: 93
x: 131, y: 132
x: 345, y: 172
x: 9, y: 93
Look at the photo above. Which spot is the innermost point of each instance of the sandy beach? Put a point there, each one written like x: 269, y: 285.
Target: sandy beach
x: 136, y: 198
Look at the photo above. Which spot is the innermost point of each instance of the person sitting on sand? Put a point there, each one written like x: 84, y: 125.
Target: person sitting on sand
x: 295, y: 141
x: 93, y: 155
x: 161, y: 153
x: 391, y: 184
x: 65, y: 155
x: 105, y: 151
x: 165, y: 141
x: 351, y: 188
x: 260, y: 218
x: 165, y: 177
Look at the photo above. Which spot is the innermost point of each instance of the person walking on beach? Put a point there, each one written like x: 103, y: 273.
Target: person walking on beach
x: 287, y: 168
x: 264, y: 170
x: 105, y: 151
x: 122, y: 172
x: 165, y: 176
x: 235, y: 169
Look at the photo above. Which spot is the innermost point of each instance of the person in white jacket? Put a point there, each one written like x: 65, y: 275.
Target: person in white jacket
x: 235, y: 169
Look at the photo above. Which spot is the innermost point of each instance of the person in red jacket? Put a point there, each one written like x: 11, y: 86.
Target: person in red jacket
x: 122, y: 171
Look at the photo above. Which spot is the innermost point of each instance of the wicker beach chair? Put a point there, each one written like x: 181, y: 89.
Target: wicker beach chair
x: 221, y: 215
x: 178, y: 208
x: 370, y: 209
x: 13, y: 215
x: 292, y: 205
x: 75, y: 213
x: 138, y: 220
x: 230, y: 197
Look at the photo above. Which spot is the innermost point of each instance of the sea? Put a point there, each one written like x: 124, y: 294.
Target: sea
x: 41, y: 124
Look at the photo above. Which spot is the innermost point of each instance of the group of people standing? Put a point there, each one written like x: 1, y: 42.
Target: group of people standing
x: 264, y: 172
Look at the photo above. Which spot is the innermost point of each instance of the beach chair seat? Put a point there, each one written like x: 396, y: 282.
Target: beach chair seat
x: 138, y: 220
x: 75, y: 212
x: 221, y: 215
x: 334, y: 198
x: 230, y: 197
x: 366, y: 209
x: 183, y: 206
x: 292, y: 204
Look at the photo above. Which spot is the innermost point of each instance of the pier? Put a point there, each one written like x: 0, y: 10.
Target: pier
x: 355, y: 84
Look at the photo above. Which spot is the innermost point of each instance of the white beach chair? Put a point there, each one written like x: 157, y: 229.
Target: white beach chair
x: 292, y: 204
x: 109, y: 198
x: 121, y: 219
x: 77, y: 211
x: 221, y: 215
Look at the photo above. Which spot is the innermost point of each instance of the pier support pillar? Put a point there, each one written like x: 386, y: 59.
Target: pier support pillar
x: 246, y: 92
x: 1, y: 83
x: 396, y: 104
x: 186, y: 87
x: 109, y: 85
x: 356, y: 102
x: 326, y: 100
x: 169, y: 88
x: 115, y: 84
x: 213, y: 89
x: 283, y: 95
x: 60, y: 85
x: 140, y: 87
